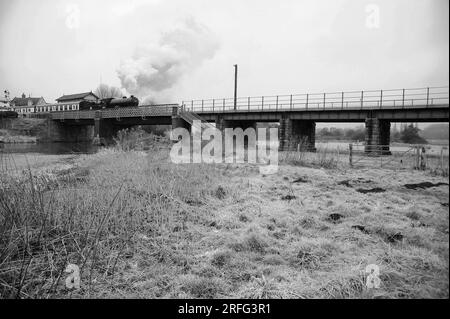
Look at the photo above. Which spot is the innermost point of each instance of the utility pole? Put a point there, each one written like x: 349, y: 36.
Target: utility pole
x: 235, y: 85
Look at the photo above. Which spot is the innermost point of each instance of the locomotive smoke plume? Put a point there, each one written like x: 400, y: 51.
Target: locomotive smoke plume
x: 154, y: 70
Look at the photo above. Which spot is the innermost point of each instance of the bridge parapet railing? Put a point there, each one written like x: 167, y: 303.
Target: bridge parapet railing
x: 141, y: 111
x: 73, y: 115
x: 382, y: 99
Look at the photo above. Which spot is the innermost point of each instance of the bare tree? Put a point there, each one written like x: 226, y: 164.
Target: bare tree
x: 104, y: 91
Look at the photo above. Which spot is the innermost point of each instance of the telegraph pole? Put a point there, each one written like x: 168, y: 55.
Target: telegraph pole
x: 235, y: 85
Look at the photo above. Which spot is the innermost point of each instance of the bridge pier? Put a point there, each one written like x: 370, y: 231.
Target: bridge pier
x: 103, y: 130
x: 378, y: 134
x: 294, y: 134
x: 222, y: 124
x: 61, y: 132
x: 177, y: 122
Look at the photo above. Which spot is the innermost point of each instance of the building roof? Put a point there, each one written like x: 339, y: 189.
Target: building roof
x: 23, y: 101
x: 77, y: 96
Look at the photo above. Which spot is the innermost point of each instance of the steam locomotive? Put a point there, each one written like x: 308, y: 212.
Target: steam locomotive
x: 108, y: 103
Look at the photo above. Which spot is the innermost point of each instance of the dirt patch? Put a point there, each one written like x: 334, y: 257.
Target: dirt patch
x: 424, y: 185
x: 288, y: 197
x: 243, y: 218
x: 212, y: 224
x: 194, y: 202
x: 361, y: 229
x: 371, y: 190
x: 335, y: 217
x: 363, y: 181
x: 345, y: 183
x: 390, y: 236
x: 300, y: 180
x: 348, y: 183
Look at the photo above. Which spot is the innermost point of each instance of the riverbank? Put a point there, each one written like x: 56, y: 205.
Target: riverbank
x: 140, y: 226
x: 7, y: 136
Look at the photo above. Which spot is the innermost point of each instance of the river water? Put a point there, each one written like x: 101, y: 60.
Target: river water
x: 88, y: 148
x: 49, y: 148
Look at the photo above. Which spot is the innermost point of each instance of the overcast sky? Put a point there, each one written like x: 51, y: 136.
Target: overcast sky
x: 54, y: 47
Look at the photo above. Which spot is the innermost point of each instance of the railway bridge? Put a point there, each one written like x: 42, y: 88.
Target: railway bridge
x: 297, y: 114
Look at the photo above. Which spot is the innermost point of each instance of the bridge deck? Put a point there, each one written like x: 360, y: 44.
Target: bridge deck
x: 408, y: 104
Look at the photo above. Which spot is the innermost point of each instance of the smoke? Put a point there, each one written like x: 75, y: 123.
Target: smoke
x: 154, y: 70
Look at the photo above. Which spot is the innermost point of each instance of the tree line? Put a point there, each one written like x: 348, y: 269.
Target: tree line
x: 408, y: 133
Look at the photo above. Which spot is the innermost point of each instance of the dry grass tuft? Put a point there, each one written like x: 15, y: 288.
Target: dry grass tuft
x: 253, y: 243
x: 202, y: 287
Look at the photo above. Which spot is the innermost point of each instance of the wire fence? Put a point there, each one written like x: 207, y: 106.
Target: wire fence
x: 422, y: 157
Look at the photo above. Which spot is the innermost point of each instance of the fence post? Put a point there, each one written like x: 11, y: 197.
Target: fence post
x: 223, y: 106
x: 202, y: 105
x: 307, y: 100
x: 417, y: 166
x: 342, y: 100
x: 276, y: 106
x: 423, y: 159
x: 213, y: 104
x: 428, y: 95
x: 248, y: 103
x: 262, y: 102
x: 192, y: 105
x: 324, y: 100
x: 350, y: 158
x: 290, y: 102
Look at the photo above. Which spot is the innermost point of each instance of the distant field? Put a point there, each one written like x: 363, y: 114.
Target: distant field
x: 432, y: 148
x: 439, y: 142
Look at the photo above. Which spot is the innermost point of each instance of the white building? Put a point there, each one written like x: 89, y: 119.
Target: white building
x: 67, y: 102
x: 25, y: 105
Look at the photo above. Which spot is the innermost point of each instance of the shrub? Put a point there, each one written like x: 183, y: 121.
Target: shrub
x: 410, y: 135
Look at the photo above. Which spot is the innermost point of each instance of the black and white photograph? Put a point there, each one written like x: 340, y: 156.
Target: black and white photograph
x: 223, y: 156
